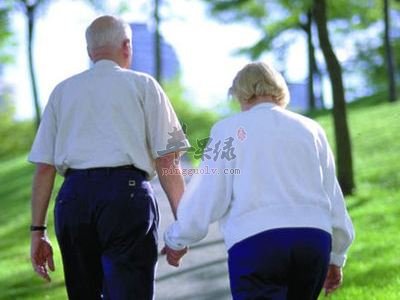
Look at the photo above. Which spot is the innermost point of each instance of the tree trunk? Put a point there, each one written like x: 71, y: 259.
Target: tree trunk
x: 319, y: 83
x: 30, y: 12
x: 342, y: 136
x: 157, y: 43
x: 311, y: 62
x: 389, y: 53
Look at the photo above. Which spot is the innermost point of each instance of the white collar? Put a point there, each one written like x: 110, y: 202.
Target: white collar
x: 264, y: 105
x: 105, y: 63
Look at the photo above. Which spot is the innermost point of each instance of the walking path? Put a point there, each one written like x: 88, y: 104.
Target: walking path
x: 203, y: 272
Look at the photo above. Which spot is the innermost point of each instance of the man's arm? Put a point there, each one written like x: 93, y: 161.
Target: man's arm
x: 170, y: 174
x: 41, y: 250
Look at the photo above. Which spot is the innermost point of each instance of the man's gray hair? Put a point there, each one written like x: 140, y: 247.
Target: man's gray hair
x: 107, y: 31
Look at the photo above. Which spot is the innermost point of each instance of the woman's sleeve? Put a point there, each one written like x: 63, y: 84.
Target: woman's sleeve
x: 206, y: 199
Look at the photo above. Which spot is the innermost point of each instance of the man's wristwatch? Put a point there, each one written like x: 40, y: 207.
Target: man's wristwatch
x: 38, y: 228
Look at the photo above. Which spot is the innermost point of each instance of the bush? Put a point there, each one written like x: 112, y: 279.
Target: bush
x: 16, y: 136
x: 196, y: 122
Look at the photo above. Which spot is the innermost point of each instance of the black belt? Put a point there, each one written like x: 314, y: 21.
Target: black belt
x: 108, y: 170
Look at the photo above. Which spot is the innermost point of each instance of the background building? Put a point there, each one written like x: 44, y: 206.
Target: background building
x: 144, y: 53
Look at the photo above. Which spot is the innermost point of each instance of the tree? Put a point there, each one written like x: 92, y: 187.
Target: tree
x: 342, y: 135
x: 275, y: 19
x: 157, y: 41
x: 5, y: 35
x: 369, y: 59
x: 388, y: 53
x: 313, y: 70
x: 31, y: 9
x: 6, y: 111
x: 311, y: 61
x: 287, y: 17
x: 196, y: 121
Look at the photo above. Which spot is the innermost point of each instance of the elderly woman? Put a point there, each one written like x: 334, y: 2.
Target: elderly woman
x: 283, y: 218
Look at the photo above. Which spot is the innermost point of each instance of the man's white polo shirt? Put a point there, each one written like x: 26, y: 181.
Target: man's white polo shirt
x: 107, y: 116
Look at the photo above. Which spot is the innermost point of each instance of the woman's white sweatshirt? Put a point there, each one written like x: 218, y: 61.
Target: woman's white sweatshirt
x: 263, y: 169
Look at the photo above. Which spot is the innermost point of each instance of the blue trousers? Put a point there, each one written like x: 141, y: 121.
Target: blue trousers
x: 106, y: 224
x: 279, y: 264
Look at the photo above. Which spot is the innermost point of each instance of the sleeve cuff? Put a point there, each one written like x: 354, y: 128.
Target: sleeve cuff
x: 170, y: 243
x: 32, y: 158
x: 338, y: 260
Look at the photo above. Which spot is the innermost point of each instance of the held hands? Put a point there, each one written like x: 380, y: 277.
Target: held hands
x: 173, y: 256
x: 41, y: 255
x: 333, y: 279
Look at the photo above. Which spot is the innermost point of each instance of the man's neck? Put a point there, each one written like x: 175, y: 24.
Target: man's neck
x: 107, y: 53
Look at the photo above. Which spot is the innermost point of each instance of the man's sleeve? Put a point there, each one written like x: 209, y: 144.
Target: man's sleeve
x: 342, y: 227
x: 163, y: 131
x: 43, y: 147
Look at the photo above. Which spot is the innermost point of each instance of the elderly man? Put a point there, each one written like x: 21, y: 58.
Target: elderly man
x: 107, y: 130
x: 283, y: 218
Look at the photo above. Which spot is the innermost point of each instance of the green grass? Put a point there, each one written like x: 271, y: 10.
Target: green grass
x: 373, y: 268
x: 17, y: 280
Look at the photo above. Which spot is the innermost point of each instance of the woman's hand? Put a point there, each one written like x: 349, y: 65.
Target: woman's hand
x: 333, y: 279
x: 173, y: 256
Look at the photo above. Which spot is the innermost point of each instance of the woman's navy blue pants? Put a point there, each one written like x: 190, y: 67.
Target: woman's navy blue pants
x: 280, y: 264
x: 106, y: 224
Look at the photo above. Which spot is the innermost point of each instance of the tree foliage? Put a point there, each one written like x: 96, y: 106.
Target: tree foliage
x: 6, y: 107
x: 32, y: 10
x: 197, y: 122
x: 16, y: 136
x: 275, y: 19
x: 5, y: 35
x: 281, y: 21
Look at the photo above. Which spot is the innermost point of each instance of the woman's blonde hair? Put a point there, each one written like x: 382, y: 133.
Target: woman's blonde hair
x: 260, y: 79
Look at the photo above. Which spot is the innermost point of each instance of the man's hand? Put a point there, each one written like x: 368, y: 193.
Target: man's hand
x: 41, y: 251
x: 173, y: 256
x: 41, y: 255
x: 333, y: 279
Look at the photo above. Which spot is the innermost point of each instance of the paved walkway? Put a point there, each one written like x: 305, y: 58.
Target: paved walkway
x: 203, y: 271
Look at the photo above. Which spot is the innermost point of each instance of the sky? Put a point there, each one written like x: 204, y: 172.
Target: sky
x: 205, y: 49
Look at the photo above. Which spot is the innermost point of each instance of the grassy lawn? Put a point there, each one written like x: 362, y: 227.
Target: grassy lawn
x: 372, y: 271
x: 373, y: 268
x: 17, y: 280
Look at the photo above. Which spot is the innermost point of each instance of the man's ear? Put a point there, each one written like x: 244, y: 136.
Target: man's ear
x: 90, y: 55
x: 126, y: 46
